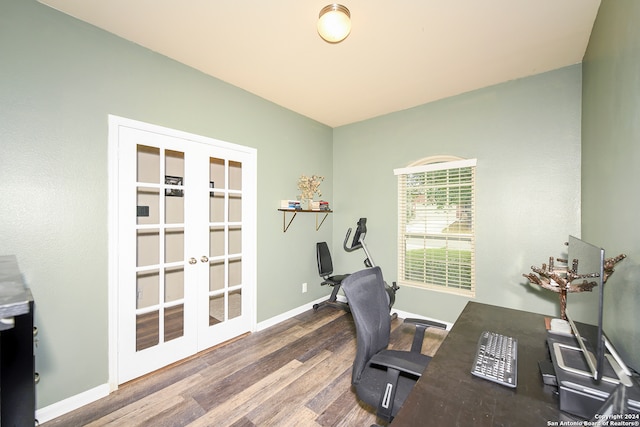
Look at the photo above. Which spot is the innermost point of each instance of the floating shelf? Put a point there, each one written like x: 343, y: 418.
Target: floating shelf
x: 285, y: 224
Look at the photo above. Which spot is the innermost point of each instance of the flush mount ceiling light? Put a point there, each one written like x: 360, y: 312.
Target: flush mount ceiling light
x: 334, y: 23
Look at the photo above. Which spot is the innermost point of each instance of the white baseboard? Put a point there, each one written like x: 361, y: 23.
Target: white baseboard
x: 74, y: 402
x: 291, y: 313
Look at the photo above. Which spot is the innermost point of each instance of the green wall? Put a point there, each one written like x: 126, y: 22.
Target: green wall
x: 525, y: 135
x: 610, y: 159
x: 59, y: 80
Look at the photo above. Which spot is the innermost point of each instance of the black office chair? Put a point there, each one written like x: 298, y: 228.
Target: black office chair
x: 325, y: 270
x: 382, y: 378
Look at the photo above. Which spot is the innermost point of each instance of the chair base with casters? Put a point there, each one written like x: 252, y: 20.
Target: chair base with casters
x: 381, y: 378
x: 325, y: 270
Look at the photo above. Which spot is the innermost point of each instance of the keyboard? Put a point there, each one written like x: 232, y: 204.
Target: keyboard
x: 497, y: 359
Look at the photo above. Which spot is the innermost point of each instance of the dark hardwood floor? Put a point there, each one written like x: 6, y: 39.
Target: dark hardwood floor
x: 148, y: 329
x: 297, y: 373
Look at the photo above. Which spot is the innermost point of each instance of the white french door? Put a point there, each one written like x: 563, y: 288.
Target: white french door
x: 185, y: 275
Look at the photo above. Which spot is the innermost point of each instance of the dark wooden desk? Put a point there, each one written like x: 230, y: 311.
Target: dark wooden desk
x: 448, y: 395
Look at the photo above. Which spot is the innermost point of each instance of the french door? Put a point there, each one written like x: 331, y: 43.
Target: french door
x: 186, y: 245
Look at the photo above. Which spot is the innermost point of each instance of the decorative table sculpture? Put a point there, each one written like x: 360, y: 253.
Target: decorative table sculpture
x: 564, y: 280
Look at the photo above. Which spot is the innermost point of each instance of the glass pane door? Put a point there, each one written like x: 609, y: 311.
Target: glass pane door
x: 185, y: 269
x: 160, y: 282
x: 225, y: 240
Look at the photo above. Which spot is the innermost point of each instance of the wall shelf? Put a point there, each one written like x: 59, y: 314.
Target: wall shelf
x: 285, y: 224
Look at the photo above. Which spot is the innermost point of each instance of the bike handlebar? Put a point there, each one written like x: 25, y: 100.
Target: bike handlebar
x: 353, y: 246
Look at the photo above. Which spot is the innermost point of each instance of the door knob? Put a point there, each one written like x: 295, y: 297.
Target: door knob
x: 192, y: 260
x: 204, y: 258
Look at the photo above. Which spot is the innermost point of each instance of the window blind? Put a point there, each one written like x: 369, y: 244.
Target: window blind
x: 436, y: 237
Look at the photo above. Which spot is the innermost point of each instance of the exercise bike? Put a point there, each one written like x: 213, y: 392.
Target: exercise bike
x: 358, y: 243
x: 325, y: 267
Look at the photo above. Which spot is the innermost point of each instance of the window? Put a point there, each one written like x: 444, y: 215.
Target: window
x: 436, y: 238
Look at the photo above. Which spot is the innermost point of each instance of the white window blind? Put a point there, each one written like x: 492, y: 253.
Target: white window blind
x: 436, y: 237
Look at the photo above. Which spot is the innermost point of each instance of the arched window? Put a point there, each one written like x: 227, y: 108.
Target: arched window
x: 436, y: 236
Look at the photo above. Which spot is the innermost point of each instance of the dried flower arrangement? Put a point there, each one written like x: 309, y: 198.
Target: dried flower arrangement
x: 309, y: 185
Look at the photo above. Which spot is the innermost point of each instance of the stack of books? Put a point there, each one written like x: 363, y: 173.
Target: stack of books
x: 320, y: 205
x: 290, y: 204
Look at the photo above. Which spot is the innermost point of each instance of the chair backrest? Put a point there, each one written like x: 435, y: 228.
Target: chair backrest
x: 369, y: 304
x: 325, y: 265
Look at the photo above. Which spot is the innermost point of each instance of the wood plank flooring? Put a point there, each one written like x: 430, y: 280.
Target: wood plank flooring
x: 148, y: 328
x: 296, y: 373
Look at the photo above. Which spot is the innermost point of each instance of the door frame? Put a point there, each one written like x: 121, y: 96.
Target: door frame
x: 115, y: 122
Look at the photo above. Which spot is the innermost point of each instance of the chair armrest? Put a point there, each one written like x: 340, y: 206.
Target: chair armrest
x: 421, y: 327
x: 402, y: 365
x: 425, y: 323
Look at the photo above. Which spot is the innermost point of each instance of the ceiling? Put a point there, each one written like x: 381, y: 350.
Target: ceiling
x: 398, y: 55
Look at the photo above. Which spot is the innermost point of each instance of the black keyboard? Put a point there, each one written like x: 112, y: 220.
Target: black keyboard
x: 497, y: 359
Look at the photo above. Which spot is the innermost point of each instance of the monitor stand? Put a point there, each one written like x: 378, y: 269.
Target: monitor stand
x: 579, y: 393
x: 571, y: 359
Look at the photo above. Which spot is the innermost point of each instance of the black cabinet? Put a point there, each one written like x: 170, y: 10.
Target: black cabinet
x: 17, y: 358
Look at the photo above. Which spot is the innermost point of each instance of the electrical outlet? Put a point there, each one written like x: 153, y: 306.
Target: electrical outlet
x: 304, y: 287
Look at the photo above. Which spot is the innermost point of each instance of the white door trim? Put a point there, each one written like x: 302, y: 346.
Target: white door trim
x: 115, y: 123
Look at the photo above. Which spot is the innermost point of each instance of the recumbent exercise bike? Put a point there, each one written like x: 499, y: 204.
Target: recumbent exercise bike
x: 325, y: 267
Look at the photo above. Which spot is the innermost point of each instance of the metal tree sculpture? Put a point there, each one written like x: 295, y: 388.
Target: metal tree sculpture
x: 561, y: 280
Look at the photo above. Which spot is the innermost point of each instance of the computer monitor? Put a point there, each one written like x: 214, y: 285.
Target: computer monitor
x: 586, y: 259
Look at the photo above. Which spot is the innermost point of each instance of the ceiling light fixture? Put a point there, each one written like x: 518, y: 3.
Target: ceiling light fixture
x: 334, y: 23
